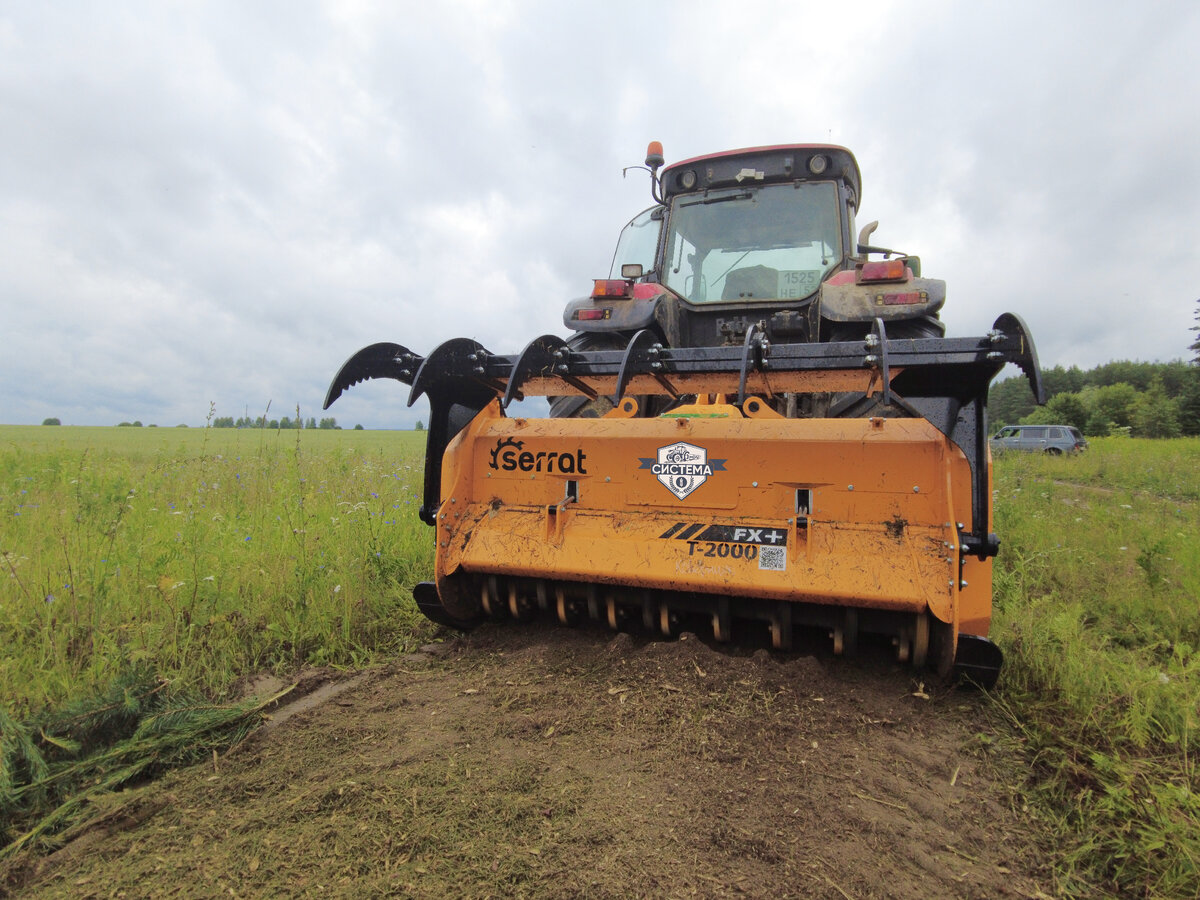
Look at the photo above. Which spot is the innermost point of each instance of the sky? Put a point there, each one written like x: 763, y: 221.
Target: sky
x: 210, y: 206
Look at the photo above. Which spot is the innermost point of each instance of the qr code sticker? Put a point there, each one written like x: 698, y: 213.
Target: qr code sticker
x: 773, y: 558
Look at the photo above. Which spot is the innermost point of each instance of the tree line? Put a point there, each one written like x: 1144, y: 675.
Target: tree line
x: 276, y: 424
x: 1138, y: 398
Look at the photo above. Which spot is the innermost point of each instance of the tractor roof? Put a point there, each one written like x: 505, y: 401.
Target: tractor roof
x: 750, y: 165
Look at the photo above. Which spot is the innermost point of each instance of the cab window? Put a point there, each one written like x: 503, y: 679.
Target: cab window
x: 638, y: 241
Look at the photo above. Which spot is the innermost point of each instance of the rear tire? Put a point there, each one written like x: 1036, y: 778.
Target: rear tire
x: 860, y: 406
x: 900, y: 330
x: 577, y: 407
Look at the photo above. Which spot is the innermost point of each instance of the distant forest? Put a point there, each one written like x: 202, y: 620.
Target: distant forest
x: 264, y: 422
x: 1137, y: 398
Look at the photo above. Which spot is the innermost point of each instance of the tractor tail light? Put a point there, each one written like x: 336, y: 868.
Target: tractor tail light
x: 883, y: 270
x: 610, y: 287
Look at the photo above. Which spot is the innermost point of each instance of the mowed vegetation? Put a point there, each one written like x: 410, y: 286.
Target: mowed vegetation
x: 162, y: 563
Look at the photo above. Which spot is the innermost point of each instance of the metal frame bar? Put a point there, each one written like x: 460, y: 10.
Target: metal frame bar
x: 944, y: 380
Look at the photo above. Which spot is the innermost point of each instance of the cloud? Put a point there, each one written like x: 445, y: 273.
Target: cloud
x: 222, y: 202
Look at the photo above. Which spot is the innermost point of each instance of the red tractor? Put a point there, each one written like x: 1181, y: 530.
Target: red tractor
x: 758, y: 237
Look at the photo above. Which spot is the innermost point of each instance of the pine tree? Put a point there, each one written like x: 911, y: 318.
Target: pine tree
x: 1195, y: 345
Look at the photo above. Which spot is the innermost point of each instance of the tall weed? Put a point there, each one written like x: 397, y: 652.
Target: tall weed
x: 207, y: 554
x: 1097, y: 589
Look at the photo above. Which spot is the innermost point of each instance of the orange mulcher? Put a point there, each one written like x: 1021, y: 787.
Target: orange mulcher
x: 719, y: 506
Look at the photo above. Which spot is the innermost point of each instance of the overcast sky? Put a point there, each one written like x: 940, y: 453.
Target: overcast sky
x: 220, y: 202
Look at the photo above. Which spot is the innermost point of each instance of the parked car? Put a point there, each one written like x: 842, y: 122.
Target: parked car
x: 1052, y: 439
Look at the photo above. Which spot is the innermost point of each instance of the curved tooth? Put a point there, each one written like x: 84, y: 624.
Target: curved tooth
x: 382, y: 360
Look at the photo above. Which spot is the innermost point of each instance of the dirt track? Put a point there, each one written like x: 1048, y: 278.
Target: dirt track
x: 537, y: 761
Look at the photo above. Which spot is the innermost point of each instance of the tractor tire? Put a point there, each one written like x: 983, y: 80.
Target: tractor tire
x: 860, y: 406
x: 905, y: 329
x: 577, y: 407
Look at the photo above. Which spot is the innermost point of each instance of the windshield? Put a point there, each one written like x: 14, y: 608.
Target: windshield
x: 638, y: 241
x: 776, y: 242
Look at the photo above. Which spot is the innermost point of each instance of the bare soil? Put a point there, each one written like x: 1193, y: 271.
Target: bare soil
x: 535, y: 761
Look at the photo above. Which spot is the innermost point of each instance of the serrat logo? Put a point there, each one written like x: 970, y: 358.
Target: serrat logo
x: 511, y: 456
x: 682, y: 467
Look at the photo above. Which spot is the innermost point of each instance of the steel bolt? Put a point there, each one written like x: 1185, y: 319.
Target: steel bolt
x: 849, y: 487
x: 916, y: 489
x: 754, y: 484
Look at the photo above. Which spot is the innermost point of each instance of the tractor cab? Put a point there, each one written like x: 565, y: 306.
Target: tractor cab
x: 761, y: 234
x: 757, y: 225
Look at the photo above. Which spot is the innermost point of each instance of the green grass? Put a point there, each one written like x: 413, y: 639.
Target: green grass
x: 1097, y: 608
x: 1165, y: 468
x: 206, y: 553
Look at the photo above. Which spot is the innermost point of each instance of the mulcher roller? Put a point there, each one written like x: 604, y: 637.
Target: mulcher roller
x: 721, y: 507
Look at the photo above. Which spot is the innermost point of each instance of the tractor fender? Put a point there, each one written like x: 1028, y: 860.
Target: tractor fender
x: 629, y: 314
x: 842, y: 300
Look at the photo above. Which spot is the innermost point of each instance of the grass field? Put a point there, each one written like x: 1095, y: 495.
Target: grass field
x: 205, y: 555
x: 208, y: 553
x: 1098, y: 610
